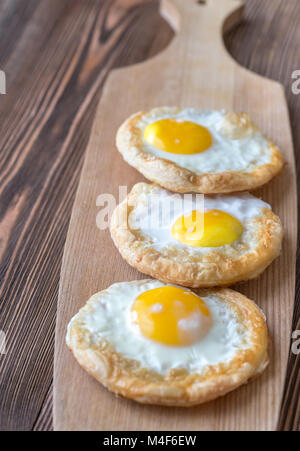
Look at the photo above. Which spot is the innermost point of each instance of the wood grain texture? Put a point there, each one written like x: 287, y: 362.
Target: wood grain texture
x: 56, y: 55
x: 195, y: 69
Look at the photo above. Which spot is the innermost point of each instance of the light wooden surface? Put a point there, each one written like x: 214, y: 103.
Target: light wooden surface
x: 195, y: 70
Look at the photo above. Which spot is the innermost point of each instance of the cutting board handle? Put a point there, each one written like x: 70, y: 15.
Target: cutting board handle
x: 203, y: 21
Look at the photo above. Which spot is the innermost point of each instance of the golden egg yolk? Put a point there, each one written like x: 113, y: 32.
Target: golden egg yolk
x: 181, y: 137
x: 172, y: 316
x: 210, y: 229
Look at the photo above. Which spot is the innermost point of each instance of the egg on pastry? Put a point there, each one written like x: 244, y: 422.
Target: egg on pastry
x: 163, y: 344
x: 195, y: 240
x: 193, y: 150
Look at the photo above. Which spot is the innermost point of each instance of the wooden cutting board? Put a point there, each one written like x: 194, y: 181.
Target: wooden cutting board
x: 193, y: 71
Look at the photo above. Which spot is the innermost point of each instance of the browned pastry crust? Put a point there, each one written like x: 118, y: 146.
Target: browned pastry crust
x: 216, y: 268
x: 169, y: 175
x: 178, y: 387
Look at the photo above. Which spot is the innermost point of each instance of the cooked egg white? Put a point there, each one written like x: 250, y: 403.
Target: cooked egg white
x: 164, y: 326
x: 194, y: 139
x: 194, y: 222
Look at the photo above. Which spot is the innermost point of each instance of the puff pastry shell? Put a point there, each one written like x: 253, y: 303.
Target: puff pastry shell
x: 170, y: 175
x: 125, y: 377
x: 218, y: 267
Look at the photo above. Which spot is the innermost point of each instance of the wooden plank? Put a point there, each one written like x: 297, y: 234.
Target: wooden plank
x: 194, y: 70
x: 116, y: 33
x: 46, y: 50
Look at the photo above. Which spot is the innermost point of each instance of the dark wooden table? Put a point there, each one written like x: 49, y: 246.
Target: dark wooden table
x: 56, y: 55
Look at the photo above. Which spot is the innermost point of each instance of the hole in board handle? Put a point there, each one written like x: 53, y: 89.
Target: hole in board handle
x: 201, y: 2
